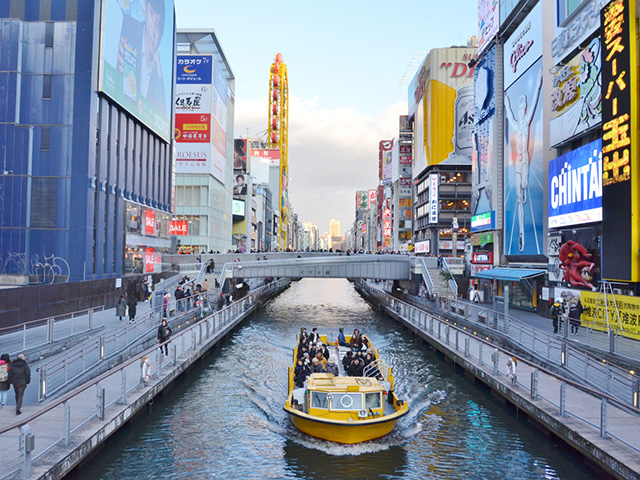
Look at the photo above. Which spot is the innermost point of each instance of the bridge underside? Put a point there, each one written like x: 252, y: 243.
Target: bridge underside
x: 354, y: 266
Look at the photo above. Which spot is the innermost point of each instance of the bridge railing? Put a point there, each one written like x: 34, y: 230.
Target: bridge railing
x: 55, y: 424
x: 485, y: 353
x: 46, y: 331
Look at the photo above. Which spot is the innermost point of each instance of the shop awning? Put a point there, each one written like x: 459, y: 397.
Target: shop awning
x: 509, y: 274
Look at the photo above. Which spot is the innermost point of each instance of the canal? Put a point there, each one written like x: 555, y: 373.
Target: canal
x: 225, y: 418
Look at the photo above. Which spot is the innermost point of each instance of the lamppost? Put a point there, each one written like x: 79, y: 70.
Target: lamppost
x: 454, y: 237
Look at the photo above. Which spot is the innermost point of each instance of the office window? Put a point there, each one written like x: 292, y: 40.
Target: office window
x: 48, y: 34
x: 46, y: 86
x: 45, y: 136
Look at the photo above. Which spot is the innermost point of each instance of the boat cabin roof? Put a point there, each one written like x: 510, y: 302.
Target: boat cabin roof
x: 326, y: 382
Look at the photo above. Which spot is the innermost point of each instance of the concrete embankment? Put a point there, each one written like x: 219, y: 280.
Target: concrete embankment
x: 89, y: 415
x: 560, y: 407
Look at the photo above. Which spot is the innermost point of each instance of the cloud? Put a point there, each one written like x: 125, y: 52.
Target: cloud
x: 332, y: 153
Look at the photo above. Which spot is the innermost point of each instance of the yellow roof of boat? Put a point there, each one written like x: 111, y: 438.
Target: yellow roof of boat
x: 326, y: 382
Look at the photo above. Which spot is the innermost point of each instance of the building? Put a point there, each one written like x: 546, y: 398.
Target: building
x: 207, y: 181
x: 334, y: 228
x: 85, y: 140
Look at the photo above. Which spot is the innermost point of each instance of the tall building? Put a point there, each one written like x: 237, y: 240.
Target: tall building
x: 85, y: 138
x: 334, y: 228
x: 205, y: 173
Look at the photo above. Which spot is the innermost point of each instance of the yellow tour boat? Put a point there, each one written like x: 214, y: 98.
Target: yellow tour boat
x: 345, y: 409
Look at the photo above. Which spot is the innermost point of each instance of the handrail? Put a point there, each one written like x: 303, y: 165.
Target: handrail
x: 453, y: 285
x: 426, y: 276
x: 44, y: 320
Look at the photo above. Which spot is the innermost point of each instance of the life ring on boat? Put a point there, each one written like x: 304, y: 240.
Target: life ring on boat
x: 146, y: 369
x: 346, y: 401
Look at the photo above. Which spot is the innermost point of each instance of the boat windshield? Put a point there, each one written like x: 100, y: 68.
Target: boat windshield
x: 319, y: 400
x: 346, y: 401
x: 372, y: 400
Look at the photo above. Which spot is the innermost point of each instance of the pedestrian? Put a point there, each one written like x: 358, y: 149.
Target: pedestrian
x: 205, y: 286
x: 5, y: 365
x: 131, y: 303
x: 440, y: 261
x: 121, y: 308
x: 512, y: 365
x: 164, y: 332
x: 165, y: 305
x: 19, y: 377
x: 575, y: 312
x: 221, y: 301
x: 556, y: 312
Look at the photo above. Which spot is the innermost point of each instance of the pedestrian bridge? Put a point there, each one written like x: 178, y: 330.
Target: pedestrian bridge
x: 383, y: 267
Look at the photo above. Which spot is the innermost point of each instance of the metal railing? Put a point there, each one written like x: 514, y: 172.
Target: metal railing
x: 56, y: 423
x: 39, y: 333
x: 453, y: 285
x: 426, y: 276
x: 483, y: 353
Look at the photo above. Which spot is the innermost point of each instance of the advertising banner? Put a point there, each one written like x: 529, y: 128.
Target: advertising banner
x: 482, y: 257
x: 434, y: 206
x: 179, y: 227
x: 448, y: 245
x: 488, y: 22
x: 575, y: 186
x: 362, y: 200
x: 483, y: 164
x: 594, y: 313
x: 585, y: 20
x: 149, y: 222
x: 240, y: 155
x: 444, y: 113
x: 386, y: 154
x: 620, y: 199
x: 363, y: 228
x: 576, y: 98
x: 192, y: 157
x: 137, y: 59
x: 193, y: 128
x: 237, y: 208
x: 523, y: 165
x: 484, y: 221
x: 239, y: 185
x: 405, y: 124
x: 372, y: 198
x: 524, y: 46
x: 422, y: 247
x: 270, y: 155
x: 149, y: 259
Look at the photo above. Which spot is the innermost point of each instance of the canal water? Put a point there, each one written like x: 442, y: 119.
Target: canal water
x: 224, y: 420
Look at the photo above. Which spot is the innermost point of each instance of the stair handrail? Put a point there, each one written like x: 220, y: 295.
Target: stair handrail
x: 426, y: 276
x: 453, y: 285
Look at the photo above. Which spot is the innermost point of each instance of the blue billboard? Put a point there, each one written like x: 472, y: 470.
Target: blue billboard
x: 575, y: 186
x: 194, y: 69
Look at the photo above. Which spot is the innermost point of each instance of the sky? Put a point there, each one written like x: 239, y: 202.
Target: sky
x: 349, y: 65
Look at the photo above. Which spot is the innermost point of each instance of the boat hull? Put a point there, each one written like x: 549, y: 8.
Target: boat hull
x: 343, y: 432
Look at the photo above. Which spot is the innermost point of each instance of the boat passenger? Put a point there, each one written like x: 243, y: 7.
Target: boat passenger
x: 332, y: 367
x: 313, y: 349
x: 316, y: 367
x: 315, y: 336
x: 306, y: 359
x: 322, y: 360
x: 346, y: 360
x: 300, y: 373
x: 304, y: 336
x: 368, y: 359
x: 325, y: 351
x: 356, y: 368
x: 301, y: 351
x: 355, y: 343
x: 342, y: 341
x: 364, y: 341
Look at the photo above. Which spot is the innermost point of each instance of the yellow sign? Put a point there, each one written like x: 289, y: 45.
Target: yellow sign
x: 628, y: 308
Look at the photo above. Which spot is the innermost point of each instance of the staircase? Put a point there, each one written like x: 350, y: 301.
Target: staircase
x: 440, y: 285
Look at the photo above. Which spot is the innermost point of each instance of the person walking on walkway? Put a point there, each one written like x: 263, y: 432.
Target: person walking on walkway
x: 5, y: 365
x: 556, y: 313
x: 19, y: 377
x: 121, y: 307
x: 575, y: 312
x: 131, y: 303
x: 164, y: 332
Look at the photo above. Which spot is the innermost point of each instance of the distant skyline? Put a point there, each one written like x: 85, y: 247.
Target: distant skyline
x: 345, y: 61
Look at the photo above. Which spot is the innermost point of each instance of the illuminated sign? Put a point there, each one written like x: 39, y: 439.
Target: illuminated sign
x: 620, y: 201
x: 149, y: 222
x: 482, y: 257
x: 372, y: 198
x: 361, y: 200
x: 237, y: 207
x: 484, y: 221
x: 405, y: 123
x: 524, y: 46
x: 433, y: 198
x: 422, y: 247
x: 575, y: 186
x: 363, y: 228
x: 178, y: 227
x: 488, y: 22
x: 149, y: 259
x: 572, y: 34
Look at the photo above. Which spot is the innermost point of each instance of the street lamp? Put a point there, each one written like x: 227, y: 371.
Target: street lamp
x: 454, y: 237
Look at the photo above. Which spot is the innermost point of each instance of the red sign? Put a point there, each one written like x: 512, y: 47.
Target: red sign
x: 372, y: 198
x: 149, y: 259
x: 193, y: 127
x: 149, y: 222
x: 363, y: 228
x: 405, y: 159
x: 405, y: 182
x: 270, y: 154
x: 482, y: 257
x: 405, y: 149
x: 178, y: 227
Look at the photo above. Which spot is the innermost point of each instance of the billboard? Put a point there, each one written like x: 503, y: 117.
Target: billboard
x: 240, y: 155
x: 362, y: 200
x: 620, y: 199
x: 444, y: 109
x: 567, y: 36
x: 237, y: 207
x: 179, y: 227
x: 239, y: 185
x: 483, y: 221
x: 575, y: 186
x: 385, y: 158
x: 524, y: 46
x: 576, y: 98
x: 523, y: 165
x: 136, y: 60
x: 483, y: 164
x: 372, y: 194
x: 488, y: 22
x: 434, y: 204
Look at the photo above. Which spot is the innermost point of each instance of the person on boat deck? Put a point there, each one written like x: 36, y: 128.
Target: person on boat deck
x: 312, y: 350
x: 306, y: 359
x: 321, y: 359
x: 300, y: 373
x: 364, y: 341
x: 356, y: 368
x: 304, y: 336
x: 373, y: 370
x: 346, y: 360
x: 332, y: 367
x: 355, y: 343
x: 315, y: 336
x: 368, y: 359
x: 325, y: 351
x: 316, y: 367
x: 302, y: 350
x: 342, y: 341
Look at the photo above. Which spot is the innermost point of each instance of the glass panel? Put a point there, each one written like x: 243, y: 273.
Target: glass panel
x: 346, y: 401
x: 372, y: 400
x: 319, y: 400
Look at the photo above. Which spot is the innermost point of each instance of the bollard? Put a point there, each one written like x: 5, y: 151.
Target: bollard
x: 563, y: 399
x: 90, y: 320
x: 603, y: 419
x: 42, y: 382
x: 67, y: 423
x: 635, y: 389
x: 26, y: 446
x: 123, y: 386
x: 50, y: 330
x: 480, y: 361
x: 466, y: 347
x: 534, y: 384
x: 175, y: 355
x: 100, y: 394
x: 446, y: 334
x: 495, y: 358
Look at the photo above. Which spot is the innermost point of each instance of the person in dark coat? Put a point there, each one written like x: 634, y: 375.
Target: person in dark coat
x: 316, y: 367
x: 121, y: 307
x: 221, y: 302
x: 332, y: 367
x: 132, y: 304
x: 19, y: 377
x: 164, y: 332
x: 356, y: 368
x: 346, y: 360
x: 5, y: 366
x: 575, y: 313
x: 556, y: 313
x: 300, y: 373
